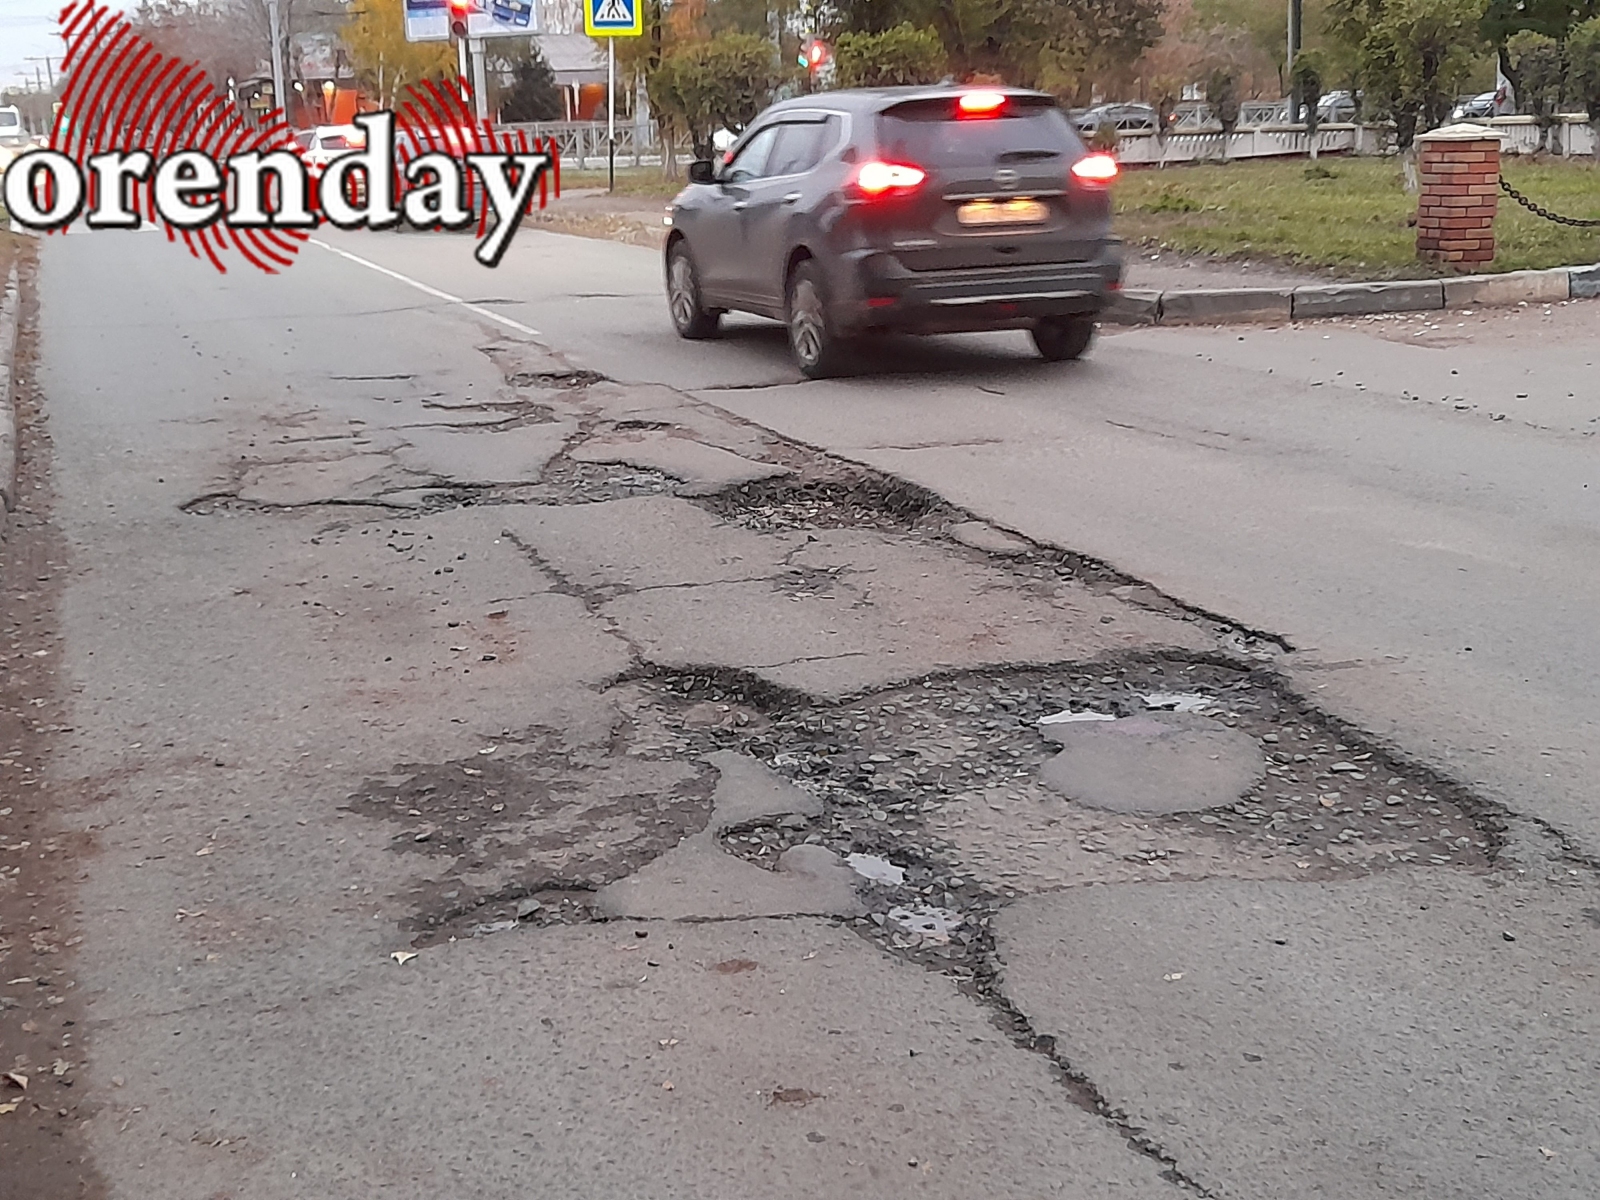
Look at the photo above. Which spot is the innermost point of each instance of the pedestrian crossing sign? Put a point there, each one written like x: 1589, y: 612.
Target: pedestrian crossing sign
x: 613, y: 18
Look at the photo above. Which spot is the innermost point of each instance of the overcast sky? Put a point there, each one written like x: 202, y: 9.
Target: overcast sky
x: 27, y: 30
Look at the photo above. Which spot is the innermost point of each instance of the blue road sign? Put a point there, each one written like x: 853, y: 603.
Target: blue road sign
x: 613, y: 18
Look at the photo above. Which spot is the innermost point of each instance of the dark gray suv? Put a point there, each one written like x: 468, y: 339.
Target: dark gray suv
x: 916, y: 210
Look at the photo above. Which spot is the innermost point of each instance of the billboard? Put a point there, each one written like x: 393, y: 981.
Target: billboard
x: 429, y: 20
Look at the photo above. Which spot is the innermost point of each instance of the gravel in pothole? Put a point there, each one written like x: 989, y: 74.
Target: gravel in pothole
x: 941, y: 778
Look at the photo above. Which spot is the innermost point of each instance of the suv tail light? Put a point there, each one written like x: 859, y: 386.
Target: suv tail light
x: 1095, y: 168
x: 873, y: 180
x: 981, y: 104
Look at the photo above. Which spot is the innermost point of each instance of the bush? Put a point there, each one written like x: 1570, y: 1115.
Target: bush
x: 721, y: 83
x: 894, y: 58
x: 534, y: 94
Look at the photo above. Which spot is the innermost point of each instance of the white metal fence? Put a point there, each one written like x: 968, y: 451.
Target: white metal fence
x: 1572, y: 137
x: 1196, y: 137
x: 582, y: 144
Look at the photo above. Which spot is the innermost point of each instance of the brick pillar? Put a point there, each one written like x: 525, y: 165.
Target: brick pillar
x: 1460, y: 184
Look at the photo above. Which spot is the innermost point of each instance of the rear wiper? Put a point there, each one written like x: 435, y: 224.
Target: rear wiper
x: 1027, y: 155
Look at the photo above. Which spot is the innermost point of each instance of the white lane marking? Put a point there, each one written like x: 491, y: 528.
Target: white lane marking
x: 475, y: 309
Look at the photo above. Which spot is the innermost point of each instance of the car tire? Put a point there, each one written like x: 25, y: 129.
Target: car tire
x: 690, y: 317
x: 1060, y: 339
x: 817, y: 348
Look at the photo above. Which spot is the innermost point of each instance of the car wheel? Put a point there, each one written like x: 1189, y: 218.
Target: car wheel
x: 817, y: 348
x: 689, y: 317
x: 1059, y: 339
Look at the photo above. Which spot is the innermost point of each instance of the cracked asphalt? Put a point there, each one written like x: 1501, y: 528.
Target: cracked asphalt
x: 493, y: 749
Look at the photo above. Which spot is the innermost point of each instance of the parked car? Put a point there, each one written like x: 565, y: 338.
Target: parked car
x: 1124, y: 118
x: 1475, y: 108
x: 918, y: 210
x: 1337, y: 107
x: 13, y: 132
x: 319, y: 146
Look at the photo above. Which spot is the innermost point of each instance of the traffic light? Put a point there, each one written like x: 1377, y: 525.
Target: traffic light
x: 459, y: 11
x: 814, y: 54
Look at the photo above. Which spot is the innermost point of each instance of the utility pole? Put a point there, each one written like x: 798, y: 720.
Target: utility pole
x: 274, y: 24
x: 48, y: 71
x: 1296, y: 23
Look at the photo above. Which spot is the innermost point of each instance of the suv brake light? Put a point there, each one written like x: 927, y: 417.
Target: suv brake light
x: 981, y: 104
x: 876, y: 179
x: 1095, y: 168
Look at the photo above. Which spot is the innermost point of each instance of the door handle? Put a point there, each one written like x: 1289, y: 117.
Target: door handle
x: 740, y: 205
x: 792, y: 198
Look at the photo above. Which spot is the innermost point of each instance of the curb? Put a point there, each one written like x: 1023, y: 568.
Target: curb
x: 1143, y: 306
x: 8, y: 411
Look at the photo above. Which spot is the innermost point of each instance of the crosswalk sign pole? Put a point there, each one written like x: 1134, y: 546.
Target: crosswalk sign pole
x: 611, y: 114
x: 612, y: 19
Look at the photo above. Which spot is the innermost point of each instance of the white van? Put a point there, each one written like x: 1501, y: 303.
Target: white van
x: 12, y: 130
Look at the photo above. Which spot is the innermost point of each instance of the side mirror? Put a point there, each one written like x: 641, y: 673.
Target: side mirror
x: 702, y: 171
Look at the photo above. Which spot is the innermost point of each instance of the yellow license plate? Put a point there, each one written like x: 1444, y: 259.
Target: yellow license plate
x: 1002, y: 212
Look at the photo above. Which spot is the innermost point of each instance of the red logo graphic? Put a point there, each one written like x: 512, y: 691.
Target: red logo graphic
x: 141, y: 137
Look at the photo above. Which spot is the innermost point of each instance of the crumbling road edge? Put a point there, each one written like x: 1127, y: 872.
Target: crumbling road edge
x: 9, y: 306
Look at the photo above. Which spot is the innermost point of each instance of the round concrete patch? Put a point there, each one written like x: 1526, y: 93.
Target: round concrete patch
x: 1157, y: 763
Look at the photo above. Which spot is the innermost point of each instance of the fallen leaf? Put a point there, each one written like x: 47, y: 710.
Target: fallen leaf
x: 403, y: 956
x: 18, y: 1078
x: 9, y: 1108
x: 1547, y: 1152
x: 733, y: 966
x: 669, y: 1041
x: 203, y: 851
x: 30, y: 1027
x: 117, y: 1081
x: 667, y: 1086
x: 60, y: 1067
x: 1174, y: 977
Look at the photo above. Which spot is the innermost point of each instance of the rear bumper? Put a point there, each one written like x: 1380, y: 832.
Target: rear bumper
x: 878, y: 293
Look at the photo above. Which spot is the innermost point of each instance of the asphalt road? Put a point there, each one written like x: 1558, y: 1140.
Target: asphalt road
x: 430, y: 691
x: 1430, y: 563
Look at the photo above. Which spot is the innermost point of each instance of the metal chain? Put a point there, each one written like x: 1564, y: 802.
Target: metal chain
x: 1539, y: 210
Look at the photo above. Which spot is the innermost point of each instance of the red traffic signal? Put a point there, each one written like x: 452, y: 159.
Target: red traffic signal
x: 459, y: 11
x: 814, y: 54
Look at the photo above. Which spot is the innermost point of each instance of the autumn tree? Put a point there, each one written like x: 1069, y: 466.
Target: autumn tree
x: 1413, y: 56
x: 1583, y: 71
x: 898, y: 56
x: 210, y: 33
x: 721, y: 83
x: 1504, y: 19
x: 385, y: 63
x: 1538, y: 62
x: 1060, y: 44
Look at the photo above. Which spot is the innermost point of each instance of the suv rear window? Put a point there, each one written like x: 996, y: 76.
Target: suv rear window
x: 929, y: 134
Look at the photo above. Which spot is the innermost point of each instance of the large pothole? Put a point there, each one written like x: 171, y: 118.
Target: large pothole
x: 938, y: 785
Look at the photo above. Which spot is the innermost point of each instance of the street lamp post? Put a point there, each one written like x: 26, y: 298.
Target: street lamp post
x: 277, y: 57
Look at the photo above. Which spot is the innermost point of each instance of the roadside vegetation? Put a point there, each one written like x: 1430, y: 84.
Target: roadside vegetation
x: 1351, y: 215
